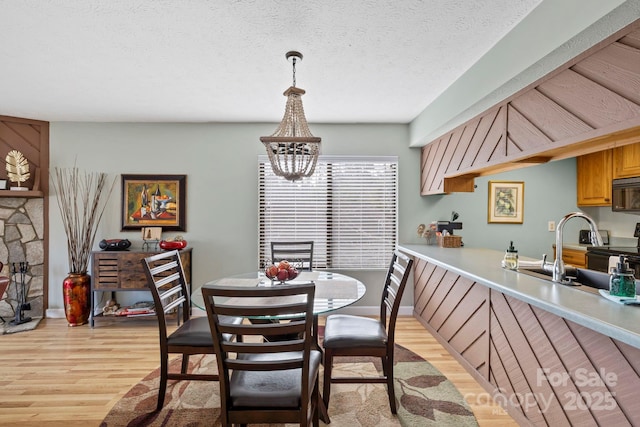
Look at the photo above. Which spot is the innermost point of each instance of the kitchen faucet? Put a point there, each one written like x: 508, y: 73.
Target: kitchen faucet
x: 559, y: 272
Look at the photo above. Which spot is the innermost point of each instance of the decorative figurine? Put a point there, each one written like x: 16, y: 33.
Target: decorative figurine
x: 17, y: 169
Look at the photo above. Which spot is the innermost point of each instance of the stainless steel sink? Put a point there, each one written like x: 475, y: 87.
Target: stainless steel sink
x: 580, y: 278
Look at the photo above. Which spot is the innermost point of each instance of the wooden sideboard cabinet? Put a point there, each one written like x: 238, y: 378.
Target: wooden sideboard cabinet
x: 122, y: 271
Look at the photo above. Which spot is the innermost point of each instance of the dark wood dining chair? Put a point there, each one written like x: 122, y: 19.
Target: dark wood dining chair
x: 266, y: 382
x: 300, y: 254
x: 346, y: 335
x: 169, y: 288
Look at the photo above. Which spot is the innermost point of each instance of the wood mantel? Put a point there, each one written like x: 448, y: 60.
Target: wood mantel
x: 31, y: 138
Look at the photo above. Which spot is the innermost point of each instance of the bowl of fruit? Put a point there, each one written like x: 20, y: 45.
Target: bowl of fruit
x: 281, y: 272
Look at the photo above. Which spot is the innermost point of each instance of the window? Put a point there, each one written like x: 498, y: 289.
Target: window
x: 348, y: 208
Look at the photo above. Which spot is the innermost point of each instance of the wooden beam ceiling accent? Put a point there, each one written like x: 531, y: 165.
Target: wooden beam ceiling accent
x: 590, y: 105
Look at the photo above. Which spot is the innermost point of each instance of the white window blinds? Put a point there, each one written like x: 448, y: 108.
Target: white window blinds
x: 348, y: 208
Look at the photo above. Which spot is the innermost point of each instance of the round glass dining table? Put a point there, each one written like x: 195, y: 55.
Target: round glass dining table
x: 333, y: 290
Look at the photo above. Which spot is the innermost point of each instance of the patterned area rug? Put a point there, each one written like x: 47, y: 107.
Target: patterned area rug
x: 425, y: 397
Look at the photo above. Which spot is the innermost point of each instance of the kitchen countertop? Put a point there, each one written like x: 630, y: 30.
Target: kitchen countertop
x: 587, y: 309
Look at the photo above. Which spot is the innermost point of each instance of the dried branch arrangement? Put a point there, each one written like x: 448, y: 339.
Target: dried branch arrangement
x: 82, y: 198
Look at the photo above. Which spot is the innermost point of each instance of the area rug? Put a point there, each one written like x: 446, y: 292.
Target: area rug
x: 425, y: 398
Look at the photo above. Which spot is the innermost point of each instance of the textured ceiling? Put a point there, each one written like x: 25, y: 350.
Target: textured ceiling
x: 218, y: 61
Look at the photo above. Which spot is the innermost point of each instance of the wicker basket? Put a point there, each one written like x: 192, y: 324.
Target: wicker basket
x: 450, y: 241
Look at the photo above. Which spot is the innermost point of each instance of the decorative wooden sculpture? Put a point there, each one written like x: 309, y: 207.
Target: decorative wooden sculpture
x: 17, y: 168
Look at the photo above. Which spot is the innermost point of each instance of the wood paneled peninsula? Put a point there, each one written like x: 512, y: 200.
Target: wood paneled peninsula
x: 550, y: 354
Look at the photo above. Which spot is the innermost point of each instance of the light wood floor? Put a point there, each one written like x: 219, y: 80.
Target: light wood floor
x: 62, y: 376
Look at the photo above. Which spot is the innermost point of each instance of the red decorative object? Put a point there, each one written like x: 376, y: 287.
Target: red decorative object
x: 169, y: 245
x: 76, y: 289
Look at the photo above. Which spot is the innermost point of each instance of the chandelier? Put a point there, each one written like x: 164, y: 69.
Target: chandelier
x: 292, y: 149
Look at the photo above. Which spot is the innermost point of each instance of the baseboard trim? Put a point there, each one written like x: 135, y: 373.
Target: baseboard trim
x: 55, y: 313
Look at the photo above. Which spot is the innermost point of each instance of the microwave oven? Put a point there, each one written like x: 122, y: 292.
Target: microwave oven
x: 625, y: 195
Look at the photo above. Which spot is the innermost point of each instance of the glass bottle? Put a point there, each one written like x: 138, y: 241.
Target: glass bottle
x: 155, y: 200
x: 621, y: 282
x: 144, y: 196
x: 510, y: 260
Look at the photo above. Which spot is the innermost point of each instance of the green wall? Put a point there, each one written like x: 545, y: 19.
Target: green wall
x: 220, y: 161
x: 549, y: 194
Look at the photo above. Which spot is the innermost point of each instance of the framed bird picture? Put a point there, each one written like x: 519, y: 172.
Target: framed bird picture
x: 506, y: 202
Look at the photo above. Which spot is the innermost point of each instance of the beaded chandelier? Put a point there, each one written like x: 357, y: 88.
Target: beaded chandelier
x: 293, y: 151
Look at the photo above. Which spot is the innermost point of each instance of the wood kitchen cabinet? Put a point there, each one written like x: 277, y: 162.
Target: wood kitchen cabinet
x: 594, y: 174
x: 626, y: 161
x: 122, y: 271
x: 575, y: 257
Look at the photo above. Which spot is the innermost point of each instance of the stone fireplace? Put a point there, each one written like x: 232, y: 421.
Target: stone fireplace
x: 24, y: 231
x: 22, y: 240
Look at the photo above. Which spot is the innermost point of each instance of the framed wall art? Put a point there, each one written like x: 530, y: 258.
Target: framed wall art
x: 154, y: 201
x: 506, y: 202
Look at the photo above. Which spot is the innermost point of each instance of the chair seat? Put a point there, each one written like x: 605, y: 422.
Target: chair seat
x: 271, y: 389
x: 196, y: 332
x: 345, y: 331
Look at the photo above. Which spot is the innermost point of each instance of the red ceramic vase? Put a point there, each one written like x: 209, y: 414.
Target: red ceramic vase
x: 76, y: 289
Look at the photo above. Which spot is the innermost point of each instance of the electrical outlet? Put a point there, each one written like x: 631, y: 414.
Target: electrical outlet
x: 551, y: 226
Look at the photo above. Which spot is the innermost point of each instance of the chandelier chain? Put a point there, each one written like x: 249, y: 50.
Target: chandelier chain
x: 294, y: 71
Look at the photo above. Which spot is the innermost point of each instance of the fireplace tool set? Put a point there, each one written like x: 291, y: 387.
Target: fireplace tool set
x: 18, y: 272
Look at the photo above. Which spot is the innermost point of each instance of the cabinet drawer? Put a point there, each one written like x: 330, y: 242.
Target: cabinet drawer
x: 574, y: 257
x: 106, y: 271
x: 122, y: 270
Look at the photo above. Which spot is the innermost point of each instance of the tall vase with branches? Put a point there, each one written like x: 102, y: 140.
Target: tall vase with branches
x: 82, y: 199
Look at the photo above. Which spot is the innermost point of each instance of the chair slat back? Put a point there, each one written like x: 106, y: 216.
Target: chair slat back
x: 168, y: 286
x: 395, y: 283
x: 223, y: 301
x: 300, y: 254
